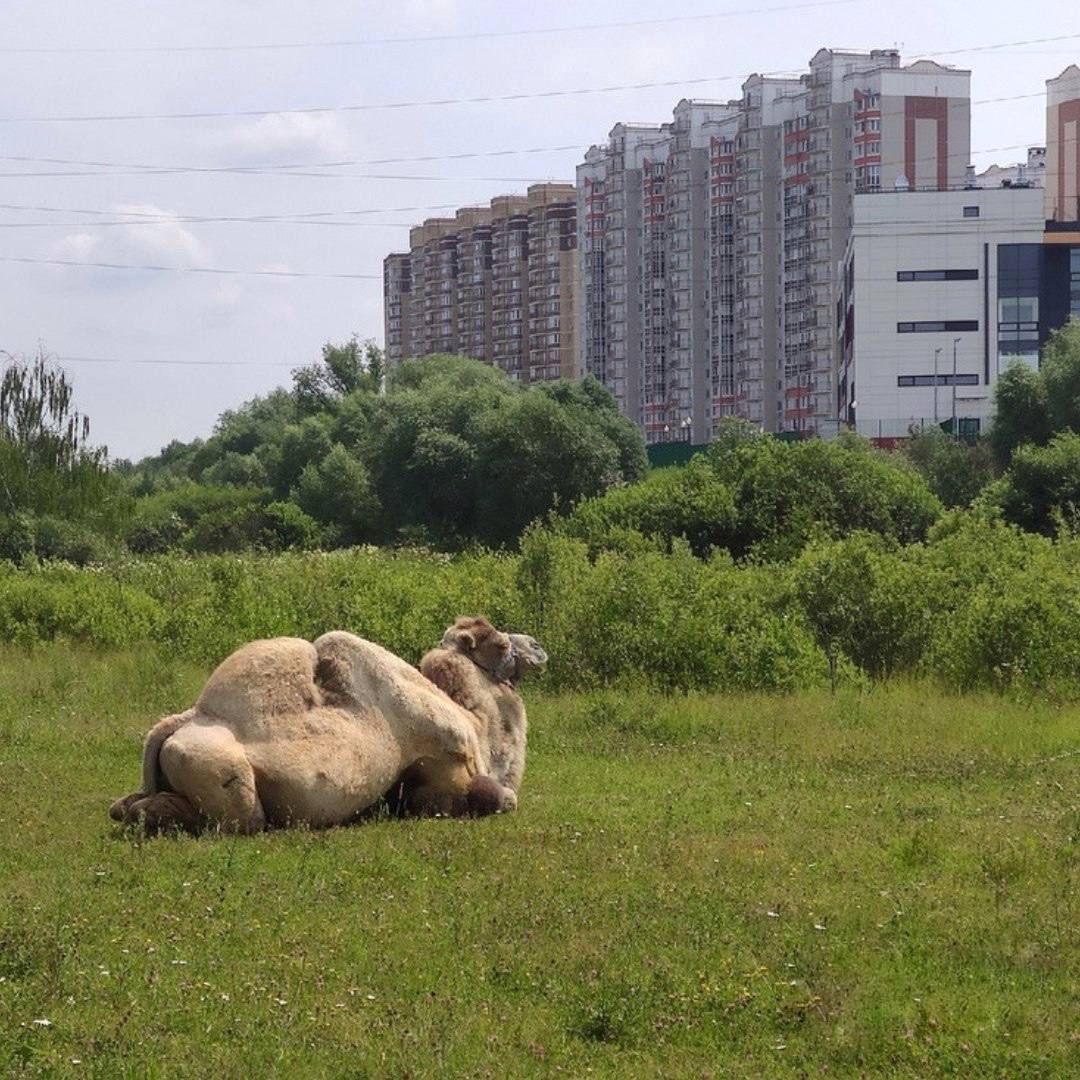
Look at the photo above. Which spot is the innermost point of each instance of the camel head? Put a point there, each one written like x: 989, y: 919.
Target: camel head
x: 472, y: 635
x: 526, y: 655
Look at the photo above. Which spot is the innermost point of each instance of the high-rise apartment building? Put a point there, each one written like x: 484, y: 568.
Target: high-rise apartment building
x: 711, y: 247
x: 643, y: 214
x: 495, y: 283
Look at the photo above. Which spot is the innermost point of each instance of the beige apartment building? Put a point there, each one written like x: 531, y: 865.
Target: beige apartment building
x: 496, y: 283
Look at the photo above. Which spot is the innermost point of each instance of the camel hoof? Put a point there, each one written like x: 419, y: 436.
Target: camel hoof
x: 487, y: 796
x: 122, y: 807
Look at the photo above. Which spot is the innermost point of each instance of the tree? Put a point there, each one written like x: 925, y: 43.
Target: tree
x: 955, y: 471
x: 1030, y: 406
x: 37, y: 413
x: 46, y: 464
x: 1040, y: 491
x: 1020, y: 412
x: 344, y: 369
x: 338, y: 491
x: 459, y: 451
x: 786, y: 493
x: 688, y: 501
x: 1060, y: 371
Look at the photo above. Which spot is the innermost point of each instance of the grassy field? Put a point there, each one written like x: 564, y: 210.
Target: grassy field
x: 866, y: 885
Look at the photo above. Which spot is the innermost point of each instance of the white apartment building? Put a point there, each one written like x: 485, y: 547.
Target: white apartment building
x: 941, y: 294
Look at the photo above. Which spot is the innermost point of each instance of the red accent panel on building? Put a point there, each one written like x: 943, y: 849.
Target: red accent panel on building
x: 927, y: 108
x: 1068, y: 112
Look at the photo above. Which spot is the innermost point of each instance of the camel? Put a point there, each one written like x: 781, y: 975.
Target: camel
x: 470, y: 666
x: 286, y: 731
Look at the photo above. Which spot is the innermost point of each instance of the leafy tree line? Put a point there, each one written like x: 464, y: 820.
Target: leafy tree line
x: 449, y: 452
x: 446, y: 451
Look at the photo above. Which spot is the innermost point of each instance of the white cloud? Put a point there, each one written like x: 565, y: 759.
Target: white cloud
x: 155, y: 237
x: 297, y: 136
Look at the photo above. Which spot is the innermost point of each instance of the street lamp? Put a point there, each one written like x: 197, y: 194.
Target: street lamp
x: 667, y: 433
x: 937, y: 353
x: 686, y: 425
x: 955, y: 342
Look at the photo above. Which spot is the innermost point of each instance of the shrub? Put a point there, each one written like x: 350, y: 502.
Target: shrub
x: 788, y: 493
x: 57, y: 539
x: 1040, y: 491
x: 866, y: 603
x: 16, y: 536
x: 689, y: 502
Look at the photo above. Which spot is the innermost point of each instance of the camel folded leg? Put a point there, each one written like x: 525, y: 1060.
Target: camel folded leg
x: 207, y: 765
x: 164, y: 811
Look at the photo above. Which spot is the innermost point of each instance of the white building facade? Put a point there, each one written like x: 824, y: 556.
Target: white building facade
x: 941, y: 294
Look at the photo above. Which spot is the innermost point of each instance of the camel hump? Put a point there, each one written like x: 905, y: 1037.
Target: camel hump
x: 360, y: 670
x: 268, y: 678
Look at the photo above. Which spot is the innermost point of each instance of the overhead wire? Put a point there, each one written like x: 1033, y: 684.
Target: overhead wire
x: 93, y: 265
x: 321, y: 217
x: 418, y: 39
x: 482, y: 35
x: 486, y: 99
x: 261, y: 169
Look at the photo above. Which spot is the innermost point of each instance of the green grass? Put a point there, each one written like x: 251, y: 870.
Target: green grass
x: 875, y: 885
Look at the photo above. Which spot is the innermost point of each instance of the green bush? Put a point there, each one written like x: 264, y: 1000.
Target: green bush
x: 789, y: 493
x: 16, y: 536
x: 55, y: 538
x: 689, y: 502
x: 61, y: 602
x: 980, y: 604
x: 867, y: 604
x: 1040, y: 491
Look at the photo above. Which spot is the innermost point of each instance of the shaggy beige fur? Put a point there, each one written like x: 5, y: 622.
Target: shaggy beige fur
x: 265, y: 744
x: 477, y: 666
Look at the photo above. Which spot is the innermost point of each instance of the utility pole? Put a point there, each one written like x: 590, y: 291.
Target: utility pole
x: 937, y: 353
x: 955, y: 433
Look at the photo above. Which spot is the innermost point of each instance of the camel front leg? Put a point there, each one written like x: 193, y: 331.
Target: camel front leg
x: 207, y: 766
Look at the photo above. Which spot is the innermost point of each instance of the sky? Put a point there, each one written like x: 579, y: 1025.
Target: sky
x: 159, y: 354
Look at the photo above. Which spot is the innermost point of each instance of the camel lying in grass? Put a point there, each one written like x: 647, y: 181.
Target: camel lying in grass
x: 290, y: 732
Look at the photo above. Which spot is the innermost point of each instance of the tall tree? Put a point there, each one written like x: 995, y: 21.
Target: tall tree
x: 37, y: 413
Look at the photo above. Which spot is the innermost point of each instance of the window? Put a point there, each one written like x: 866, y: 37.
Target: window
x: 1074, y: 282
x: 942, y: 380
x: 936, y: 327
x: 971, y: 211
x: 937, y: 275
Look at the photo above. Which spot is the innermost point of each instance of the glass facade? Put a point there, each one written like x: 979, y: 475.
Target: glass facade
x: 1074, y: 282
x: 1019, y: 280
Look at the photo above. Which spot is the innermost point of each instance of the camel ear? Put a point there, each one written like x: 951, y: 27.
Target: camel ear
x: 457, y: 637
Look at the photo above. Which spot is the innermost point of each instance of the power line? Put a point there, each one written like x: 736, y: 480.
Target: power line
x: 432, y: 103
x: 210, y: 220
x: 420, y: 39
x: 176, y: 363
x: 188, y: 269
x: 349, y: 43
x: 257, y: 170
x: 319, y: 217
x: 157, y: 218
x: 329, y: 176
x: 373, y: 106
